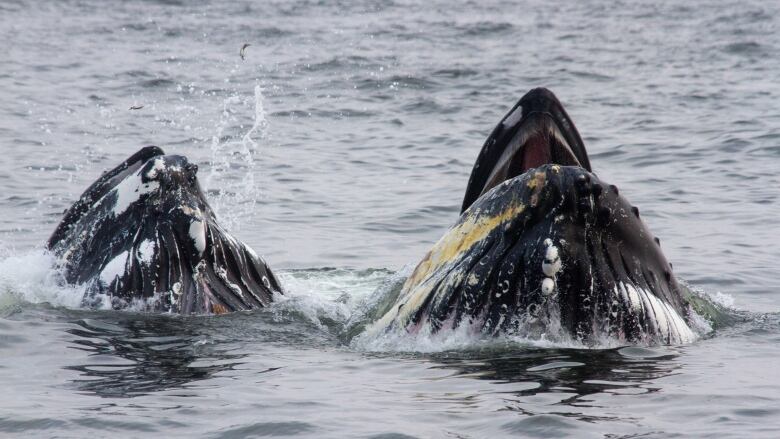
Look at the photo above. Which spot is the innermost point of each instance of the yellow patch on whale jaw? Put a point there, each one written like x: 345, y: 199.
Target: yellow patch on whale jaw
x: 473, y: 228
x: 459, y: 238
x: 537, y: 182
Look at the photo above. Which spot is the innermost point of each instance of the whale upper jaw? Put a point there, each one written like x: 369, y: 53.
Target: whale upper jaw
x: 536, y: 131
x: 143, y: 234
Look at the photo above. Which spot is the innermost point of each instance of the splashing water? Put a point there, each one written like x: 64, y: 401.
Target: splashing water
x: 327, y: 297
x: 30, y: 278
x: 235, y: 194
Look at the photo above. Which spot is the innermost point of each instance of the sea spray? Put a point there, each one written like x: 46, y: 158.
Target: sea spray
x: 231, y: 180
x: 32, y: 278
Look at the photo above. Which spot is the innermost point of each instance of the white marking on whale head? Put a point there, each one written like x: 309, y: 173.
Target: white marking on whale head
x: 198, y: 235
x: 128, y: 191
x: 157, y: 167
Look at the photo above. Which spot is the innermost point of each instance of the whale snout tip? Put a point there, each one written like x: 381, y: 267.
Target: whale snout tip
x: 168, y: 168
x: 191, y: 173
x: 538, y: 97
x: 150, y: 151
x: 154, y: 169
x: 191, y: 169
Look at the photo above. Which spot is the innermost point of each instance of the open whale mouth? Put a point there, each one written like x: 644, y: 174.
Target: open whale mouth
x: 535, y: 132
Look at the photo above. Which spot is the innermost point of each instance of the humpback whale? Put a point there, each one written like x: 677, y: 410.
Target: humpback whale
x: 543, y: 245
x: 144, y: 233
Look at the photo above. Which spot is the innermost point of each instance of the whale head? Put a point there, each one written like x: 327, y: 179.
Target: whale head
x: 144, y: 230
x: 543, y: 245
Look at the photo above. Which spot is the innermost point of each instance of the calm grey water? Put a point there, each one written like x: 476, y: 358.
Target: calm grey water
x: 340, y: 149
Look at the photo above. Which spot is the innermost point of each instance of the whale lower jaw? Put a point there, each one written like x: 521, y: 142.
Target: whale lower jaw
x: 643, y: 319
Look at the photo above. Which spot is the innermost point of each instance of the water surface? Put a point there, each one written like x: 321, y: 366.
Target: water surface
x: 340, y: 149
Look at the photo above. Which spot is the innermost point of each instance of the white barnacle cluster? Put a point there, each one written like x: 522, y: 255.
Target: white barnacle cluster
x: 550, y: 266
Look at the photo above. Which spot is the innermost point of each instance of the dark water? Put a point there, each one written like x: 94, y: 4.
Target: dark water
x: 345, y: 140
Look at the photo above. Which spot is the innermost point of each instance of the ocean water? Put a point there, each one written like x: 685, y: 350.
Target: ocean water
x: 340, y: 148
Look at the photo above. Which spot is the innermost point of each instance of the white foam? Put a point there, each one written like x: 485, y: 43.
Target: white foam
x: 725, y: 300
x: 332, y: 295
x: 465, y: 337
x: 323, y: 296
x: 31, y: 277
x: 699, y: 323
